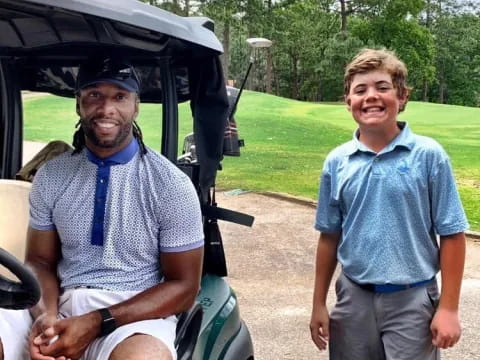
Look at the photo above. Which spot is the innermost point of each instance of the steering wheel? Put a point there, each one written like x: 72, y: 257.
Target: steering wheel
x: 17, y: 295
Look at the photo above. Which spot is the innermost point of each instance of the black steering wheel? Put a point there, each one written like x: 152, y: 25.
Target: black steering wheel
x: 17, y: 295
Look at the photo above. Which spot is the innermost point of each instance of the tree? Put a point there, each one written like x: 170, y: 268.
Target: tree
x: 302, y: 30
x: 457, y: 38
x: 456, y: 35
x: 338, y: 52
x: 397, y: 28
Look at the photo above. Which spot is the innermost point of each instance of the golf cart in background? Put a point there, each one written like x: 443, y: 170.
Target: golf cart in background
x: 41, y: 46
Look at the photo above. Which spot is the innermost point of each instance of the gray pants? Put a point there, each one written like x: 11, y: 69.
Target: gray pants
x: 373, y: 326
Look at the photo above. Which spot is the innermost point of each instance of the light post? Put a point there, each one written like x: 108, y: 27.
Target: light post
x: 231, y: 142
x: 255, y: 43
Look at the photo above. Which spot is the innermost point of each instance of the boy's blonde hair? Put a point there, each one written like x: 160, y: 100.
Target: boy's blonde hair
x: 370, y: 60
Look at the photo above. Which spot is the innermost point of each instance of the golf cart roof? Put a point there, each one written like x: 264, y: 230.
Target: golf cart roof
x: 42, y: 43
x: 49, y: 38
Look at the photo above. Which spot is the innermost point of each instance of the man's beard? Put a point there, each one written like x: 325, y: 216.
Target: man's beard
x: 124, y: 130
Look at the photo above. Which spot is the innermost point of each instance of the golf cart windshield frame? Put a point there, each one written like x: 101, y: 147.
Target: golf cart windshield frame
x: 177, y: 59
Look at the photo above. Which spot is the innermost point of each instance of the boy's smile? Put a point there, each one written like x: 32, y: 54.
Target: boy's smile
x: 373, y: 100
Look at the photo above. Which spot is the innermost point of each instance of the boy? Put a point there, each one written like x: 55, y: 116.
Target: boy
x: 384, y: 196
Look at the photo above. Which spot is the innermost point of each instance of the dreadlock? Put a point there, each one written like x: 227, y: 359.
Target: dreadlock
x: 79, y: 138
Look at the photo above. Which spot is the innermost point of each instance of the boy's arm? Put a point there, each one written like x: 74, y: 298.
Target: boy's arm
x: 326, y: 262
x: 446, y: 324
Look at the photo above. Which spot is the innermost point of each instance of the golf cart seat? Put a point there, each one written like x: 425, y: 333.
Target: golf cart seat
x: 18, y: 287
x: 14, y: 210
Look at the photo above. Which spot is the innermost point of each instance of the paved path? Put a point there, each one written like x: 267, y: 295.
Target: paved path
x: 271, y: 268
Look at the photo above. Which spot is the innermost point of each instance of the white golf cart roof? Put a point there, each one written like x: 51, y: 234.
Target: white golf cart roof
x: 54, y: 17
x: 42, y: 43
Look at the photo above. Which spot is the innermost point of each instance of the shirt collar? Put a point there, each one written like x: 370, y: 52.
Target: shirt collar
x: 121, y: 157
x: 403, y: 139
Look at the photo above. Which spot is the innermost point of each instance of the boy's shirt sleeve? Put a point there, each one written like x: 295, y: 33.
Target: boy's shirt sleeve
x: 448, y: 215
x: 329, y: 215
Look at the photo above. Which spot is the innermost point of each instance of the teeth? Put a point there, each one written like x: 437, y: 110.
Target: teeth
x: 105, y: 125
x: 373, y: 109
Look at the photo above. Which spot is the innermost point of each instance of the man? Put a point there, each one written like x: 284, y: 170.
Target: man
x: 115, y: 237
x: 384, y: 197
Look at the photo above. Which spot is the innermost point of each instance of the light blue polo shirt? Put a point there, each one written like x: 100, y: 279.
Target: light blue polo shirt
x: 115, y: 216
x: 389, y: 207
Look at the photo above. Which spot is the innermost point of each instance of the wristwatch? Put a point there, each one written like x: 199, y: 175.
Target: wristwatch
x: 108, y: 324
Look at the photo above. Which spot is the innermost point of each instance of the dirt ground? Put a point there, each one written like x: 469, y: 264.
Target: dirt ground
x: 271, y: 268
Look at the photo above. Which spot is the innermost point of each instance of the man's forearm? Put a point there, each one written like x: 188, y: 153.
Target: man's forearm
x: 452, y: 261
x: 42, y: 255
x: 182, y: 273
x: 47, y: 277
x: 169, y: 298
x: 326, y: 262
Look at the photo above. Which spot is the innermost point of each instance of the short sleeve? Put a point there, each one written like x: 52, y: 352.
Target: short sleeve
x: 41, y: 204
x: 181, y: 226
x: 447, y: 211
x: 329, y: 217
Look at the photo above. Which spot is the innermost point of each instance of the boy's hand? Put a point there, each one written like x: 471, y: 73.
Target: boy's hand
x: 319, y: 326
x: 445, y: 328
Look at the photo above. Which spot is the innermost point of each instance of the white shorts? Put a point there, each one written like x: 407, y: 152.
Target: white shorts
x: 15, y: 325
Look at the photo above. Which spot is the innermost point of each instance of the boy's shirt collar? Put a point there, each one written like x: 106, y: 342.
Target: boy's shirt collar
x: 403, y: 139
x: 121, y: 157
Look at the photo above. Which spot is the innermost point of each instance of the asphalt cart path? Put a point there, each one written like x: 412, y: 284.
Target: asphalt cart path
x: 271, y: 268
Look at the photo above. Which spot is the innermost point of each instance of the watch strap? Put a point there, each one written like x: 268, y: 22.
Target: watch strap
x: 108, y: 324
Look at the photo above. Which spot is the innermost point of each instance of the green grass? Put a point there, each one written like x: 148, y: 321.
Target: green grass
x: 287, y: 141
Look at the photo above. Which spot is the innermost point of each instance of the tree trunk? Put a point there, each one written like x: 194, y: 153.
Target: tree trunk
x: 268, y: 77
x: 425, y: 91
x: 275, y: 79
x: 187, y: 8
x: 319, y: 90
x: 441, y: 91
x: 226, y: 49
x: 294, y: 77
x: 343, y: 15
x: 428, y: 15
x: 269, y: 69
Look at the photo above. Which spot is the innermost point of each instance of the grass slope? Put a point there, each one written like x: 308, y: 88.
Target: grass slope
x: 287, y: 141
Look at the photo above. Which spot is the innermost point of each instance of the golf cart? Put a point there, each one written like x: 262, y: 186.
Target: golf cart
x: 42, y: 42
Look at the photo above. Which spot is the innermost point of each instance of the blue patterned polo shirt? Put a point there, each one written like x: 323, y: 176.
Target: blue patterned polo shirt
x: 115, y: 216
x: 389, y: 207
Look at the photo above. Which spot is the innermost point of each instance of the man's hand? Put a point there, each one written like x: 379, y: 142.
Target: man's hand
x: 445, y: 328
x: 319, y: 327
x: 42, y: 333
x: 74, y: 335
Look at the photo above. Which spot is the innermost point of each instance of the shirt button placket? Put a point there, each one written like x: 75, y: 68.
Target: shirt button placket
x: 376, y: 165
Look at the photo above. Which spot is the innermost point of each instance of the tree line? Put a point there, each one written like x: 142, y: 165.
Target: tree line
x: 313, y: 40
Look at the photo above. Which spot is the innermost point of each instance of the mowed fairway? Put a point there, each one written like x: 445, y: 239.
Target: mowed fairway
x: 287, y: 141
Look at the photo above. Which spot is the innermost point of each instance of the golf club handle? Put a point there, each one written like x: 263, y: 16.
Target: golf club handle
x: 234, y: 107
